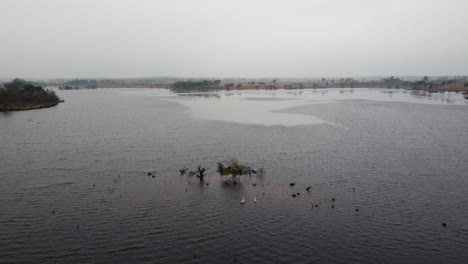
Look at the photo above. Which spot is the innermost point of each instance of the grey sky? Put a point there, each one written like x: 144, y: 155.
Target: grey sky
x: 235, y: 38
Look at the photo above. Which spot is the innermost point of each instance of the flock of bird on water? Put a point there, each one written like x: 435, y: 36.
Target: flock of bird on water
x: 242, y: 202
x: 294, y: 195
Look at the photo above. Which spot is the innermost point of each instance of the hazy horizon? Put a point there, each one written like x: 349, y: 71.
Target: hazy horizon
x: 50, y: 39
x: 280, y: 79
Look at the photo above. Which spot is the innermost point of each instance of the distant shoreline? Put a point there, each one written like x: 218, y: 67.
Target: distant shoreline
x: 426, y: 83
x: 281, y: 87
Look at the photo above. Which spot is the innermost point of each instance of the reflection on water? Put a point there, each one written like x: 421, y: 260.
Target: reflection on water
x: 247, y: 110
x: 263, y: 107
x: 440, y: 97
x: 203, y: 95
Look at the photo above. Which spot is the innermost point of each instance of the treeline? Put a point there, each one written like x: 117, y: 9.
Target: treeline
x: 199, y: 86
x: 457, y: 84
x: 19, y: 94
x: 425, y: 83
x: 81, y: 82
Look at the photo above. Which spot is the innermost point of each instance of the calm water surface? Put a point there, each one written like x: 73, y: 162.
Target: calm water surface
x: 74, y: 185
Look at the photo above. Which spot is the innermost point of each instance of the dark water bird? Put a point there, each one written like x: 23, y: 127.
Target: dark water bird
x: 53, y: 212
x: 207, y: 184
x: 292, y: 184
x: 316, y: 205
x: 333, y: 199
x: 333, y: 206
x: 357, y: 209
x: 94, y: 185
x: 298, y: 194
x: 293, y: 195
x: 308, y: 188
x: 153, y: 176
x: 77, y: 227
x: 149, y: 173
x: 235, y: 182
x: 254, y: 184
x: 444, y: 224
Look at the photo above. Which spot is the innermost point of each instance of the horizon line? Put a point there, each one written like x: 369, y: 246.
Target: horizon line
x: 207, y: 77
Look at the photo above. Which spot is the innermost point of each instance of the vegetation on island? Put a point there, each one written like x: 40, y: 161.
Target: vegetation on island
x: 22, y: 95
x: 235, y: 169
x: 232, y: 168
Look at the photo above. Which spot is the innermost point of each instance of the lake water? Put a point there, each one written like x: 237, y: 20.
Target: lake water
x: 74, y: 185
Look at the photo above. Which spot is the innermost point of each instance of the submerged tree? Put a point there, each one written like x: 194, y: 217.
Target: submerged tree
x: 233, y: 169
x: 183, y: 171
x: 221, y: 168
x: 199, y: 172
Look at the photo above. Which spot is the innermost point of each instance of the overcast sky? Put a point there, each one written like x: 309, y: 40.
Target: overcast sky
x: 235, y: 38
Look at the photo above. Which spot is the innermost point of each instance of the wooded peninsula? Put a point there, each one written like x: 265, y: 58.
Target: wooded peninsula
x: 21, y: 95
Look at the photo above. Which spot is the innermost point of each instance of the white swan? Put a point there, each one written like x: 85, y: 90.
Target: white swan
x: 255, y: 199
x: 243, y: 200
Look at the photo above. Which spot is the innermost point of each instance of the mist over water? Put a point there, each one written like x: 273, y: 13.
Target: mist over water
x: 74, y: 185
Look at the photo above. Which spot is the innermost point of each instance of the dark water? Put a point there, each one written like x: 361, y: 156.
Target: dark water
x: 87, y: 160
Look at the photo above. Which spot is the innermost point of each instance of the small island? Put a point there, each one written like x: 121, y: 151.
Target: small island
x: 21, y: 95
